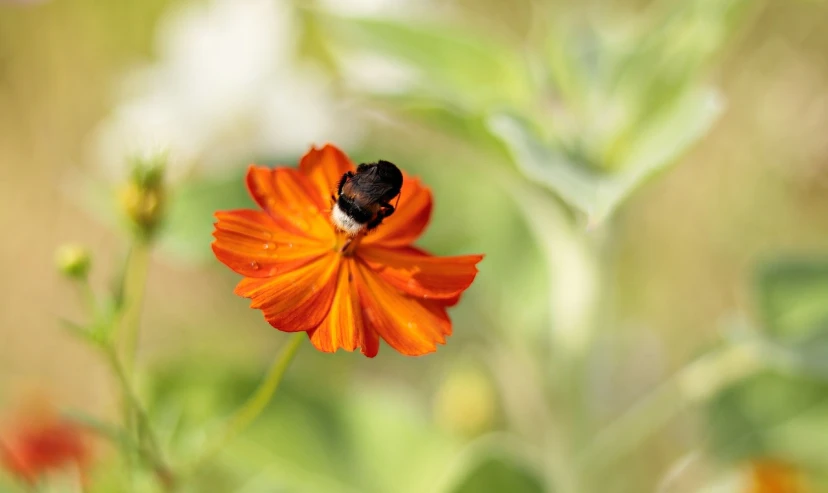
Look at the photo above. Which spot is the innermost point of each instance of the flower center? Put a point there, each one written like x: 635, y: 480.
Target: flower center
x: 347, y: 247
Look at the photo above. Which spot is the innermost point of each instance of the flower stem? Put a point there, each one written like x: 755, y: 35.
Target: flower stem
x: 132, y: 398
x: 134, y: 408
x: 255, y: 404
x: 87, y: 295
x: 120, y: 436
x: 694, y: 384
x: 135, y: 280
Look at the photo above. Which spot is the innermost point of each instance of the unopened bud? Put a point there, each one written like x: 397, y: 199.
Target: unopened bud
x: 73, y: 261
x: 466, y: 402
x: 143, y: 197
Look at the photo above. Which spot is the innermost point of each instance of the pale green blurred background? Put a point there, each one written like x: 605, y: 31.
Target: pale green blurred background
x: 584, y: 306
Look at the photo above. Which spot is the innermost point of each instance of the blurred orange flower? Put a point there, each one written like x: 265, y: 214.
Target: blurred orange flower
x: 302, y: 273
x: 37, y: 441
x: 768, y: 476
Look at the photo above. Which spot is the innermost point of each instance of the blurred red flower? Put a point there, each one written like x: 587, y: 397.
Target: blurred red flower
x: 37, y: 441
x: 298, y: 273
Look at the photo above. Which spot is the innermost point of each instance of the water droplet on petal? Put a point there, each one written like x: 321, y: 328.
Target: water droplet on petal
x: 269, y: 246
x: 254, y: 265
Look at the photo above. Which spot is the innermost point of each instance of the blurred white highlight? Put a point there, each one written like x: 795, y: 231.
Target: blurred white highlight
x: 227, y: 88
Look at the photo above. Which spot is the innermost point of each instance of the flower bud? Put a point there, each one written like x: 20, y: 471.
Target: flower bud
x: 73, y: 261
x: 466, y: 402
x: 143, y: 196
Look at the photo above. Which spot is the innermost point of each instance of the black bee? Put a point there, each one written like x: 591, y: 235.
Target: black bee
x: 364, y: 198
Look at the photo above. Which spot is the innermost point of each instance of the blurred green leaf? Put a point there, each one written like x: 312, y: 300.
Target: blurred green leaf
x: 454, y: 66
x: 367, y: 442
x: 292, y: 443
x: 598, y: 194
x: 308, y: 439
x: 771, y: 415
x: 668, y: 135
x: 446, y: 118
x: 576, y: 185
x: 79, y: 330
x: 793, y: 302
x: 793, y: 298
x: 666, y: 53
x: 496, y: 474
x: 394, y: 444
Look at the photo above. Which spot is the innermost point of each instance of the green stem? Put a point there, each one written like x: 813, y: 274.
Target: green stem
x: 255, y: 404
x: 119, y: 436
x: 135, y: 280
x: 134, y: 408
x: 694, y: 384
x: 88, y: 297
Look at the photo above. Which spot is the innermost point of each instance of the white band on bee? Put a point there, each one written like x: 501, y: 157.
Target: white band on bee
x: 345, y: 222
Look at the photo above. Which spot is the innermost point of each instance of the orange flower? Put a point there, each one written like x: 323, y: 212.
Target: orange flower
x: 769, y: 476
x: 38, y: 441
x: 304, y: 276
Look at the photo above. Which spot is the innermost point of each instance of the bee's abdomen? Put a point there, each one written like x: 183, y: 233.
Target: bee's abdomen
x: 352, y: 209
x: 348, y: 216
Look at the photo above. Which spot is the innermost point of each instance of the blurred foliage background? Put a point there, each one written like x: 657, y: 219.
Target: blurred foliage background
x: 647, y: 178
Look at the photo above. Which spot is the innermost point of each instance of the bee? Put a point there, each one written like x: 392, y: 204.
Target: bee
x: 364, y: 197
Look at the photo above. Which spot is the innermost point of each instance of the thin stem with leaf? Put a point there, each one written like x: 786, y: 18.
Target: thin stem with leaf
x: 255, y: 404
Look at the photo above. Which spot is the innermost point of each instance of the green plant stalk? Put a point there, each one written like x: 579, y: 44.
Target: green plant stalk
x: 131, y: 292
x: 87, y: 295
x: 135, y: 280
x: 694, y: 384
x: 122, y: 437
x: 255, y: 404
x: 135, y: 411
x: 132, y: 398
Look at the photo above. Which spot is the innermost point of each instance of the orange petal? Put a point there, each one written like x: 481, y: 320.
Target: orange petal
x: 254, y: 245
x: 419, y: 274
x: 408, y: 221
x: 325, y: 168
x: 369, y: 341
x: 291, y: 200
x: 297, y: 300
x: 342, y: 328
x: 412, y: 327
